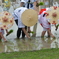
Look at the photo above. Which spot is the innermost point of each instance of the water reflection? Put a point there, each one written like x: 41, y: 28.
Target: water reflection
x: 28, y: 44
x: 2, y: 47
x: 35, y: 43
x: 11, y: 46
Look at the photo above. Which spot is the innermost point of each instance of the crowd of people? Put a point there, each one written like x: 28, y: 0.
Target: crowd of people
x: 24, y: 5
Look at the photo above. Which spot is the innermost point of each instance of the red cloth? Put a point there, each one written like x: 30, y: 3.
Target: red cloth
x: 48, y: 28
x: 41, y: 24
x: 49, y: 23
x: 2, y: 29
x: 42, y: 10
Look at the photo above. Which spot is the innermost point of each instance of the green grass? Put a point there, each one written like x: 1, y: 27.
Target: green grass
x: 40, y: 54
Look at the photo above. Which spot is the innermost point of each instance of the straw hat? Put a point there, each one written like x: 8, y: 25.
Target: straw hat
x: 53, y: 15
x: 29, y: 17
x: 6, y: 20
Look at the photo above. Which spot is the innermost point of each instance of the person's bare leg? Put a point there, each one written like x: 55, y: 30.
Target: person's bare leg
x: 29, y: 30
x: 51, y: 33
x: 43, y: 33
x: 0, y: 38
x: 26, y: 32
x: 48, y: 33
x: 3, y: 37
x: 34, y: 30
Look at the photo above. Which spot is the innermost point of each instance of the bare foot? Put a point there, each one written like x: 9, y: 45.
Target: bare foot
x: 5, y: 40
x: 28, y: 37
x: 29, y: 31
x: 53, y: 36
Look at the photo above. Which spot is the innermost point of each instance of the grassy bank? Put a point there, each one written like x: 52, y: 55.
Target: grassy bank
x: 40, y: 54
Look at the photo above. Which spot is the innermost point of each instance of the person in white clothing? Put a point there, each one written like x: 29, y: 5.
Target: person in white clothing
x: 15, y: 16
x: 31, y: 4
x: 21, y: 27
x: 45, y: 24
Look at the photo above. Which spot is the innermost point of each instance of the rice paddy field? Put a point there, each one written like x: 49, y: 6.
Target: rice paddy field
x: 34, y: 48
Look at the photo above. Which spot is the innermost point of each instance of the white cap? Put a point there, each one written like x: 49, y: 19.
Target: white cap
x: 22, y: 1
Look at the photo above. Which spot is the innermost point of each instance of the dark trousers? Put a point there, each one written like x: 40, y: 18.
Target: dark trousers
x: 19, y: 31
x: 16, y: 21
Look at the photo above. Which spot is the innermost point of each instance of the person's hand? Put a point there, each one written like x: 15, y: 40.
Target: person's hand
x: 9, y: 32
x: 6, y: 31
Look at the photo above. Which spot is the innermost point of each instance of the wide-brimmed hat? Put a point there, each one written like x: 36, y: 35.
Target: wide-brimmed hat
x: 6, y: 20
x: 53, y: 15
x: 29, y: 17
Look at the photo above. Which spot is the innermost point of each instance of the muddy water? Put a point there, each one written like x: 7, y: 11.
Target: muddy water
x: 35, y: 43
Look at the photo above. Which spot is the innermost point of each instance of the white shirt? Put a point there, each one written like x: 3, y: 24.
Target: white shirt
x: 18, y: 12
x: 20, y: 24
x: 43, y: 21
x: 15, y: 15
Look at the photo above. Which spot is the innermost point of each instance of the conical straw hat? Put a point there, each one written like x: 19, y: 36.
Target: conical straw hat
x: 53, y: 15
x: 6, y: 20
x: 29, y: 17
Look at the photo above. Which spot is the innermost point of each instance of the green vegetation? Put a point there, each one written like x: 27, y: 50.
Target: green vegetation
x: 39, y: 4
x: 40, y: 54
x: 57, y: 25
x: 9, y: 32
x: 31, y: 32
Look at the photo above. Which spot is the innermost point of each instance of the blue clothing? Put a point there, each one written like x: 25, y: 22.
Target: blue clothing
x: 31, y: 6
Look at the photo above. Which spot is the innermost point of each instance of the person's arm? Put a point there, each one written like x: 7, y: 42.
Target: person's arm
x: 6, y: 31
x: 26, y: 32
x: 35, y: 7
x: 49, y: 31
x: 2, y: 36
